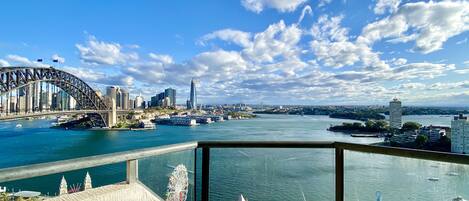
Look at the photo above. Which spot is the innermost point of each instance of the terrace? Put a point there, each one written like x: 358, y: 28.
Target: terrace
x: 201, y: 162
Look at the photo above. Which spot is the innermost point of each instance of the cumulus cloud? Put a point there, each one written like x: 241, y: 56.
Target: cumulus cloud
x: 429, y: 24
x: 277, y: 40
x: 104, y: 53
x: 332, y: 46
x: 280, y: 5
x: 383, y: 6
x: 23, y: 61
x: 58, y: 58
x: 98, y: 77
x: 4, y: 63
x: 237, y: 37
x: 164, y: 58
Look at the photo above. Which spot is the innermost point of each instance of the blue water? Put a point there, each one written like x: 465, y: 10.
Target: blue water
x: 259, y: 174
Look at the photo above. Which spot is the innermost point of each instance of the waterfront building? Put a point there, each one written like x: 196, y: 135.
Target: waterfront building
x: 183, y: 121
x: 460, y: 134
x: 433, y: 133
x: 193, y: 97
x: 171, y: 94
x: 395, y: 114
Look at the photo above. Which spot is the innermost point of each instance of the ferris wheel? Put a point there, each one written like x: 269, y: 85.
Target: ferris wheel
x: 178, y: 184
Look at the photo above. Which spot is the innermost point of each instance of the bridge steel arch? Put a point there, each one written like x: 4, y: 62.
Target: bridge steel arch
x: 12, y: 78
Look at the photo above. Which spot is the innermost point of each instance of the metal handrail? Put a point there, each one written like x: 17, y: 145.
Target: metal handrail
x: 131, y: 157
x: 28, y: 171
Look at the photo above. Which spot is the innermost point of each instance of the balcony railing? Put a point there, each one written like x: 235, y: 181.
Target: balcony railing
x: 131, y: 158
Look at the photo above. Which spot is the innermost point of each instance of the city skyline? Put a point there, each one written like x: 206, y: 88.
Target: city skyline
x: 255, y: 51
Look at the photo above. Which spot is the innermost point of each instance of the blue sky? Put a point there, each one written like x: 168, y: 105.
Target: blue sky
x: 252, y: 51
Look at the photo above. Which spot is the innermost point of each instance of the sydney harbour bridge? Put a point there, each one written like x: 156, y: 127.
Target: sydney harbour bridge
x: 26, y: 92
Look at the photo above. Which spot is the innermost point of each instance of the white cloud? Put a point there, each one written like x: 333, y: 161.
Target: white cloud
x: 58, y: 58
x: 23, y: 61
x: 4, y: 63
x: 306, y: 10
x: 277, y: 40
x: 399, y: 61
x: 332, y: 46
x: 463, y: 41
x: 412, y: 85
x: 103, y: 53
x: 280, y: 5
x: 429, y: 24
x: 240, y: 38
x: 462, y: 71
x: 324, y: 2
x: 164, y: 58
x: 383, y: 6
x: 98, y: 77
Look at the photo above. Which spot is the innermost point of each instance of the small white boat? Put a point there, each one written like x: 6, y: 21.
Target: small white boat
x: 241, y: 198
x: 453, y: 174
x: 459, y: 198
x: 433, y: 179
x: 19, y: 125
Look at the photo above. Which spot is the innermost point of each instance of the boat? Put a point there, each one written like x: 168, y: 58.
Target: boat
x: 19, y: 125
x: 433, y: 179
x: 241, y: 198
x: 459, y: 198
x: 364, y: 135
x: 453, y: 174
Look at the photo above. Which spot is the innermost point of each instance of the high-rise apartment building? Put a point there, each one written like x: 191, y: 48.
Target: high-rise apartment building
x: 460, y: 134
x: 395, y: 114
x: 111, y: 92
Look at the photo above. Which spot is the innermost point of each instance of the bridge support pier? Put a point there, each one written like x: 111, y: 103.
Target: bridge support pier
x: 112, y: 115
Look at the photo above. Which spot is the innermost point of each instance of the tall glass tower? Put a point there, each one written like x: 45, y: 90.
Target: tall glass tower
x: 193, y: 97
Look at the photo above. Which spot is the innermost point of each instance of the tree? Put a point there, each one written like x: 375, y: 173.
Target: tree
x: 381, y: 124
x: 411, y: 126
x: 421, y: 140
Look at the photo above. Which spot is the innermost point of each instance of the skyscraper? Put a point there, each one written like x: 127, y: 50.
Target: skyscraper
x: 460, y: 134
x: 139, y: 102
x: 395, y: 114
x: 111, y: 92
x: 171, y: 94
x: 124, y: 99
x: 193, y: 96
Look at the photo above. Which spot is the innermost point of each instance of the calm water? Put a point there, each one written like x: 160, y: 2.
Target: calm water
x: 260, y: 174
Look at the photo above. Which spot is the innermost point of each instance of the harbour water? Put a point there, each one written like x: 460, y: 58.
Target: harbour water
x: 259, y: 174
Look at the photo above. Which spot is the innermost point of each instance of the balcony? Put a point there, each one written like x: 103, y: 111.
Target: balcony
x: 223, y: 170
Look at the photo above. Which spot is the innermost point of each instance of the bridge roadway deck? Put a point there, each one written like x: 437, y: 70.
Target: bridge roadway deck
x: 13, y: 116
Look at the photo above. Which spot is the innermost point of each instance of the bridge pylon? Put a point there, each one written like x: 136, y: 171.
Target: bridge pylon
x: 112, y: 114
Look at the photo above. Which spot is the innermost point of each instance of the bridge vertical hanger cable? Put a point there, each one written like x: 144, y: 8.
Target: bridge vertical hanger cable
x: 12, y: 79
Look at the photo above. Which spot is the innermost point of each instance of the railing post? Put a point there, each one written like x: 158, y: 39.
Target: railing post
x: 205, y: 173
x: 339, y: 174
x: 195, y: 175
x: 132, y: 171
